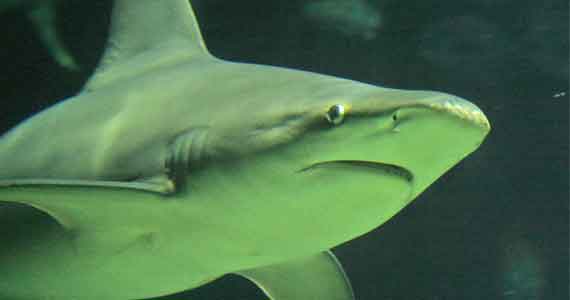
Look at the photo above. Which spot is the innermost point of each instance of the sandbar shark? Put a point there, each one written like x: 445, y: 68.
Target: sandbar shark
x: 172, y: 168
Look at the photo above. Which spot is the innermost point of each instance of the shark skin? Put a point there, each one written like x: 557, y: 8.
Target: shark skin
x: 172, y: 168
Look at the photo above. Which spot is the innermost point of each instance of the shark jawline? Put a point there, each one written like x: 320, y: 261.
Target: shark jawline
x: 387, y: 168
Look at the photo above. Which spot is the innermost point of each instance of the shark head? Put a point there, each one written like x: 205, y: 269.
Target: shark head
x: 346, y: 155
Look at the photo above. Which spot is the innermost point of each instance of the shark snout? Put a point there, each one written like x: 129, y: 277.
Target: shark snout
x: 434, y: 132
x: 462, y: 109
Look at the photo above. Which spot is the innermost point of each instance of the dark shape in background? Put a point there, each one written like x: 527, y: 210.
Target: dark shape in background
x: 42, y: 14
x: 546, y: 40
x: 483, y: 47
x: 355, y: 18
x: 494, y: 227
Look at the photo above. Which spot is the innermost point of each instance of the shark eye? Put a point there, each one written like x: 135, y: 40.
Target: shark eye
x: 335, y: 114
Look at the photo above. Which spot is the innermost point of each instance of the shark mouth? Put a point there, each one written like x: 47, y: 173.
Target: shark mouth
x: 386, y: 168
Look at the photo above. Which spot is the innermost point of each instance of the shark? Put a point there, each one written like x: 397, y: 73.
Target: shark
x: 172, y: 168
x: 357, y: 18
x: 43, y: 15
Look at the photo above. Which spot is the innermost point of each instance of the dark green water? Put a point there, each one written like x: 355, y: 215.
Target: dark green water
x: 495, y: 227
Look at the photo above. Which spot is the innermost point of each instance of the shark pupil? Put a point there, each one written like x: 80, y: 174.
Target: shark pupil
x: 335, y: 114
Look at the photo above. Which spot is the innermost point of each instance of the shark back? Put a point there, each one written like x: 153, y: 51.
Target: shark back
x: 136, y: 50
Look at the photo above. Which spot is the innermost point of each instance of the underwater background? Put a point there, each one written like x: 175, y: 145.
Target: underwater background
x: 494, y: 227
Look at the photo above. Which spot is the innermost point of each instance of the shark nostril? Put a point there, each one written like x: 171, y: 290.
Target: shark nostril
x: 395, y: 117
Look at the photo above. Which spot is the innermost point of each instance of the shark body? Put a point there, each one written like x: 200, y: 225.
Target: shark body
x: 172, y: 168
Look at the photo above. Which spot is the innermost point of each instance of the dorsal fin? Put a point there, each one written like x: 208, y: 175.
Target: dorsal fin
x: 145, y: 34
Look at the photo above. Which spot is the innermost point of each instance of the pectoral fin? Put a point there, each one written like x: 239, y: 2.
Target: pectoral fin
x: 318, y: 277
x: 157, y: 184
x: 98, y: 220
x: 80, y: 203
